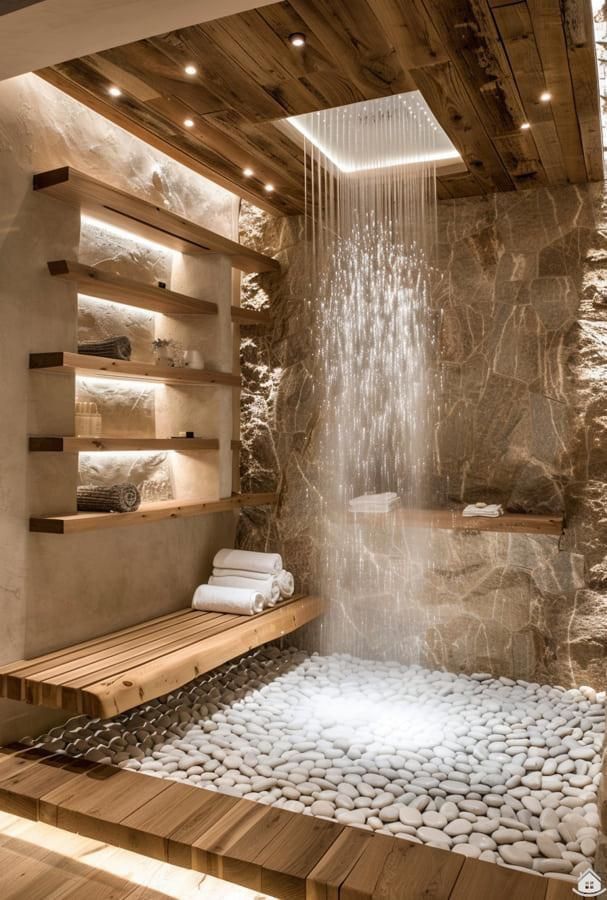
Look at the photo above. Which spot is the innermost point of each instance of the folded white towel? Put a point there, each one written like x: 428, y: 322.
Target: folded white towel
x: 489, y: 511
x: 267, y: 586
x: 365, y: 499
x: 286, y: 584
x: 238, y: 601
x: 270, y: 563
x: 373, y: 507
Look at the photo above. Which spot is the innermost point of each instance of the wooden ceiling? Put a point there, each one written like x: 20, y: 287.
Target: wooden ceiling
x: 480, y: 64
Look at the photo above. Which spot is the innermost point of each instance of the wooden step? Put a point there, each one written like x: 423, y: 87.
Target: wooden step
x: 144, y: 219
x: 74, y: 523
x: 104, y: 285
x: 452, y: 520
x: 108, y: 675
x: 99, y: 366
x: 268, y: 850
x: 58, y: 444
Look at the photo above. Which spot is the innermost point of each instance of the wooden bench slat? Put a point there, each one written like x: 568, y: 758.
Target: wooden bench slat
x: 484, y: 879
x: 331, y: 870
x: 287, y: 862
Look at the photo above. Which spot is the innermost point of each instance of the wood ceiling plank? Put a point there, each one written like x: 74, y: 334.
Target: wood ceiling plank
x: 550, y: 41
x: 520, y: 155
x: 354, y: 38
x: 465, y: 185
x: 72, y: 86
x: 579, y: 34
x: 411, y: 31
x: 448, y: 99
x: 516, y: 31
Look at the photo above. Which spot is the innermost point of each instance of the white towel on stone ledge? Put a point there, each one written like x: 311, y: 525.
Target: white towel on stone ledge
x: 488, y: 510
x: 376, y: 499
x: 267, y: 586
x: 238, y: 601
x: 269, y: 563
x: 286, y: 584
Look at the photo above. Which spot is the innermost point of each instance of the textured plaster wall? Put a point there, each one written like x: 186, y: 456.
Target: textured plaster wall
x: 519, y: 290
x: 56, y: 590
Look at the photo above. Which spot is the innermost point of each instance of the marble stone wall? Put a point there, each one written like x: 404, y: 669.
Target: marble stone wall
x: 519, y: 289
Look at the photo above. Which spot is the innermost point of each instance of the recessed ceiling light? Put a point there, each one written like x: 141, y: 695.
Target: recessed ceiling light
x: 191, y: 70
x: 297, y: 39
x: 525, y: 126
x: 189, y: 123
x: 114, y: 91
x: 248, y: 173
x: 268, y: 187
x: 546, y: 97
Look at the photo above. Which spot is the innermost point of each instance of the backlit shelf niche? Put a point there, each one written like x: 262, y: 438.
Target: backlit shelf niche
x: 144, y: 221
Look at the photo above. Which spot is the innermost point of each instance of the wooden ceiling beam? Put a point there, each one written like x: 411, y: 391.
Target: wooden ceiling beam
x: 412, y: 33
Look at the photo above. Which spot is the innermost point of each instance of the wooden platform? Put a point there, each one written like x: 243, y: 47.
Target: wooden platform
x: 452, y: 520
x: 69, y: 444
x: 106, y: 675
x: 144, y: 219
x: 74, y: 523
x: 283, y: 854
x: 100, y: 366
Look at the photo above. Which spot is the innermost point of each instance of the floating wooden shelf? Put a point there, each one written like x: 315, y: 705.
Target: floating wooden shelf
x: 452, y: 520
x: 136, y: 371
x: 250, y: 316
x: 105, y: 676
x: 146, y: 220
x: 50, y: 444
x: 74, y: 523
x: 106, y: 286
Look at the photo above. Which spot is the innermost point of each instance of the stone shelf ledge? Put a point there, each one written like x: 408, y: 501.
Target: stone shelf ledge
x: 81, y: 364
x: 452, y: 520
x: 60, y: 444
x: 73, y: 523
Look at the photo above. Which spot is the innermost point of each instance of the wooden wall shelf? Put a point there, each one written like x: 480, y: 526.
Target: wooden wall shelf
x: 107, y: 675
x: 50, y: 444
x: 138, y: 371
x: 452, y: 520
x: 96, y: 282
x: 244, y: 316
x: 74, y: 523
x: 146, y: 220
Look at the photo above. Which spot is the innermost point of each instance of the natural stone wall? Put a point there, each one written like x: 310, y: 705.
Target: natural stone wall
x: 522, y: 356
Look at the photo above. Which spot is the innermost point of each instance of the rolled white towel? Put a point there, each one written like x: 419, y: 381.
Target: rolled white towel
x: 286, y: 584
x: 267, y: 586
x: 238, y: 601
x: 488, y: 510
x: 270, y: 563
x: 242, y: 573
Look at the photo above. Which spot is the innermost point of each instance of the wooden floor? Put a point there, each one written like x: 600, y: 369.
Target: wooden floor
x: 39, y: 862
x: 283, y: 854
x: 107, y: 675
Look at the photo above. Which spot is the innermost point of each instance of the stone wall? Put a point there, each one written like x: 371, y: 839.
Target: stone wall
x: 57, y: 590
x: 523, y: 420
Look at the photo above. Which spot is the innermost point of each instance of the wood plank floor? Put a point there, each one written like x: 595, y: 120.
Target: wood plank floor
x: 107, y: 675
x: 269, y: 850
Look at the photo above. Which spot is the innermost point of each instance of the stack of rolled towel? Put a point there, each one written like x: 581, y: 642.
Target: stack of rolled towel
x: 374, y: 503
x: 121, y: 498
x: 488, y: 510
x: 118, y: 347
x: 244, y: 582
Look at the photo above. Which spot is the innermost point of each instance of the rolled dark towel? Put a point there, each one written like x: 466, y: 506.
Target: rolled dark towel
x: 118, y: 347
x: 120, y: 498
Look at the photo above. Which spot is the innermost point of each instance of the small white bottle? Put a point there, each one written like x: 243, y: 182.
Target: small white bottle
x: 80, y: 419
x: 95, y: 421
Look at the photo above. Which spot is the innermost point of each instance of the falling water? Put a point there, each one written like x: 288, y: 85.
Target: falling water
x: 371, y: 201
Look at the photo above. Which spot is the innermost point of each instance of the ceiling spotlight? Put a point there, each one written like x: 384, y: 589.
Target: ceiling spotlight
x: 114, y: 91
x: 268, y: 187
x: 546, y: 97
x: 191, y: 70
x: 189, y: 123
x: 525, y: 126
x: 248, y: 173
x: 297, y: 39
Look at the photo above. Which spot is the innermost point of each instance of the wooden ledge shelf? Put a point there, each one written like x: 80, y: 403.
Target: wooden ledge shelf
x: 74, y: 523
x: 50, y: 444
x: 107, y: 675
x: 146, y: 220
x: 452, y: 520
x: 243, y: 316
x: 81, y: 364
x: 103, y: 285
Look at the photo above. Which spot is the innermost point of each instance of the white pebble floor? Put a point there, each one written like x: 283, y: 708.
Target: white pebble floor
x: 490, y: 768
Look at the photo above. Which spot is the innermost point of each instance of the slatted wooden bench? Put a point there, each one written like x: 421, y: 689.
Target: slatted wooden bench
x: 284, y: 854
x: 107, y: 675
